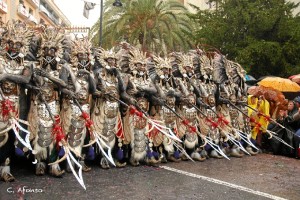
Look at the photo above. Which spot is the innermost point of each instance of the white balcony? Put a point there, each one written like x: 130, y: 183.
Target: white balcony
x: 44, y: 11
x: 32, y: 19
x: 34, y: 3
x: 22, y: 11
x: 48, y: 14
x: 3, y: 7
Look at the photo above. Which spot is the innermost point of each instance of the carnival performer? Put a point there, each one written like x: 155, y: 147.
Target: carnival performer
x: 14, y: 71
x: 228, y: 118
x: 164, y: 108
x: 141, y: 88
x: 187, y: 106
x: 106, y: 111
x: 208, y: 121
x: 75, y: 108
x: 206, y: 90
x: 45, y: 105
x: 226, y: 90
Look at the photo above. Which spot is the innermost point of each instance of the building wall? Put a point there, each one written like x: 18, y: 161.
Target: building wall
x: 297, y: 10
x: 33, y: 12
x: 202, y: 4
x: 4, y: 10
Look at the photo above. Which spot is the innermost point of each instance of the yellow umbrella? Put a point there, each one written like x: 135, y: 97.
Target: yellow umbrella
x: 281, y: 84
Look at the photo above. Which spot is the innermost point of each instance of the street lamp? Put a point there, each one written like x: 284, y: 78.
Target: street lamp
x: 117, y: 3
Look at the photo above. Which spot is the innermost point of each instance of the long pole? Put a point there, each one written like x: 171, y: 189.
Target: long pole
x: 101, y: 19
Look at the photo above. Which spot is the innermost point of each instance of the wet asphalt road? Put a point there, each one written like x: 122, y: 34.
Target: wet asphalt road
x: 274, y: 175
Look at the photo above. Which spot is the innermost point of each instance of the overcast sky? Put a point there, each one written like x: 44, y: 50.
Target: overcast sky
x: 73, y: 10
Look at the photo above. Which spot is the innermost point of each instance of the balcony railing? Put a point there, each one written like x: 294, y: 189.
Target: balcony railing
x: 3, y: 7
x: 32, y: 19
x: 44, y: 10
x: 49, y: 15
x: 22, y: 11
x: 34, y: 3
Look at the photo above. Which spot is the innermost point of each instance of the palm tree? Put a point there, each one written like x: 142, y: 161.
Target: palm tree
x: 154, y: 25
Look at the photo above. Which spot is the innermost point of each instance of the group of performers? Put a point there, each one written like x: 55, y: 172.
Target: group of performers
x: 64, y: 100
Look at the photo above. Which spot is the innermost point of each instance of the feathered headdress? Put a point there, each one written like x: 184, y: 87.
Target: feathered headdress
x: 136, y: 56
x: 234, y: 71
x: 81, y: 45
x: 17, y: 32
x: 206, y: 68
x: 102, y: 55
x: 186, y: 60
x: 52, y: 38
x: 175, y: 61
x: 162, y: 62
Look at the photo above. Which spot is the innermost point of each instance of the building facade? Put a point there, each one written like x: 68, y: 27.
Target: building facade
x: 202, y: 4
x: 33, y: 12
x: 297, y: 10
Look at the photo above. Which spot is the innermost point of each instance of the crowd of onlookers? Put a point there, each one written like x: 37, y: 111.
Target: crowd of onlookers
x: 284, y: 122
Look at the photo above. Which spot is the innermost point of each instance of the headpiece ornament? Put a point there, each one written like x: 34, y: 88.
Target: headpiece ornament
x: 17, y: 31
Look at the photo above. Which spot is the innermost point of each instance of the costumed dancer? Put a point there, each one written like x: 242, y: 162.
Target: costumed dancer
x: 164, y: 109
x: 187, y: 106
x: 140, y: 87
x: 106, y: 112
x: 245, y: 126
x: 75, y: 108
x: 207, y: 103
x: 14, y: 71
x: 45, y: 101
x: 225, y: 91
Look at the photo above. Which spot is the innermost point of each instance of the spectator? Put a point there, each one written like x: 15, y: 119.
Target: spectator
x: 289, y: 121
x: 292, y: 110
x: 297, y: 101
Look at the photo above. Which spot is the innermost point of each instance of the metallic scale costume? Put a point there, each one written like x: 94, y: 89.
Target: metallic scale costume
x: 45, y: 105
x: 165, y: 111
x: 141, y: 88
x: 188, y: 107
x: 106, y: 114
x: 76, y: 107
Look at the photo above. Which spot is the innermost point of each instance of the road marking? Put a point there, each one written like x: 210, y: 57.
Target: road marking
x: 223, y: 183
